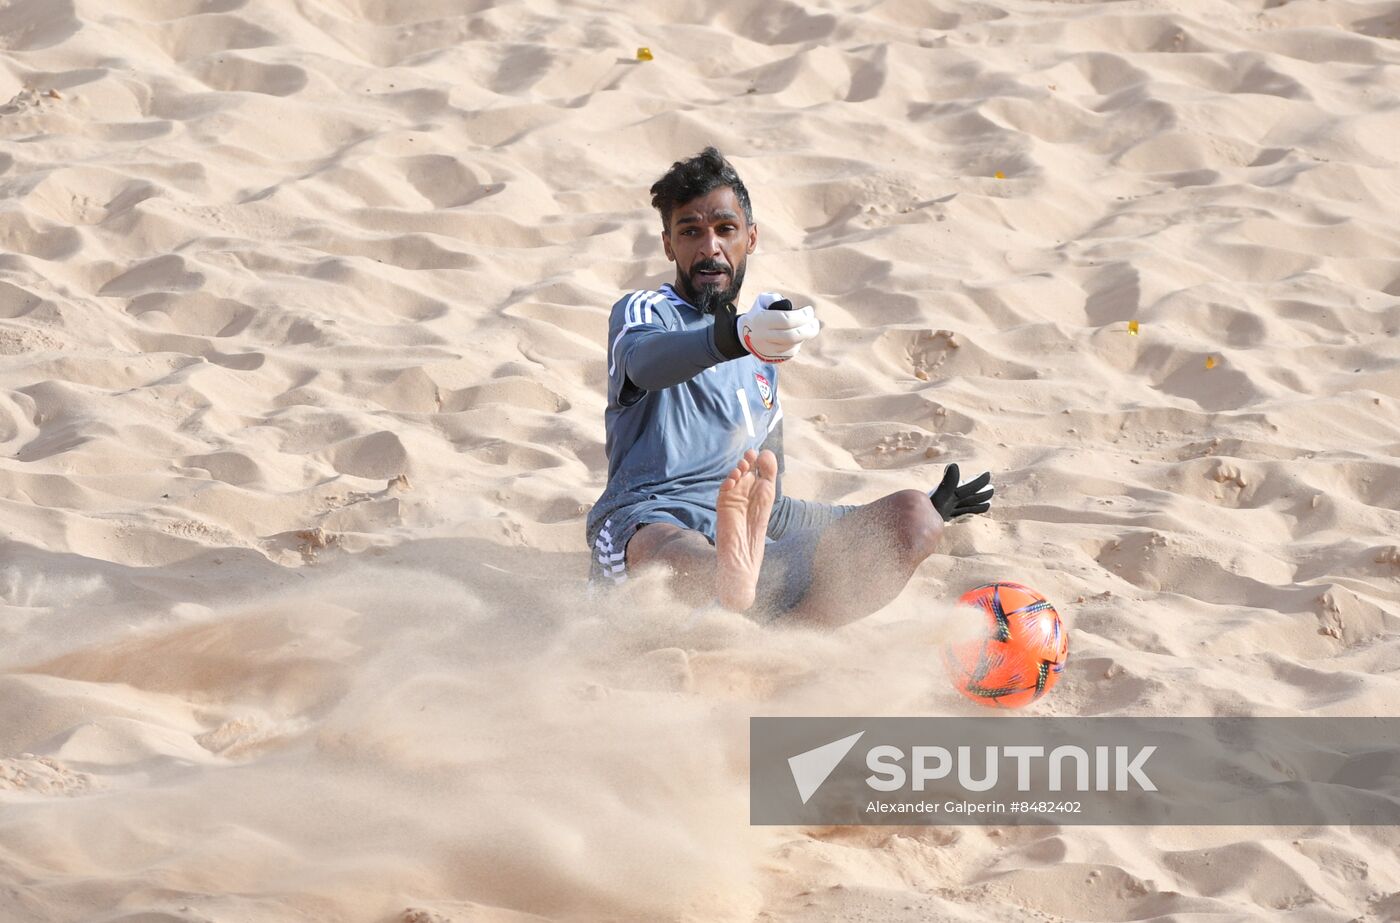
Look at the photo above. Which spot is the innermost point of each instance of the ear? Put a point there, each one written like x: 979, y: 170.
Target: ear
x: 666, y: 245
x: 753, y: 238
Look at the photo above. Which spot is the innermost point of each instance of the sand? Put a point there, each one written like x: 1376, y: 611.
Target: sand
x: 302, y: 319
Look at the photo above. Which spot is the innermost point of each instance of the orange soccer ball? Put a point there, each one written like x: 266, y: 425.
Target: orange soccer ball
x: 1018, y: 653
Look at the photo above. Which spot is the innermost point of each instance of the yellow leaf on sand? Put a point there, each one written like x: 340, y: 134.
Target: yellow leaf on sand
x: 1210, y: 362
x: 999, y: 175
x: 1133, y: 327
x: 644, y: 54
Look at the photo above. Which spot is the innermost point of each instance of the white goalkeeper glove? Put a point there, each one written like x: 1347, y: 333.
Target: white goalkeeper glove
x: 775, y: 334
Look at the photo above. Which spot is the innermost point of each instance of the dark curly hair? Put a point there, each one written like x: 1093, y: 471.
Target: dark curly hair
x: 690, y: 179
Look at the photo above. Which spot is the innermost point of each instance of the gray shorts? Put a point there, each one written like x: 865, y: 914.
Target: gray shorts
x: 782, y: 583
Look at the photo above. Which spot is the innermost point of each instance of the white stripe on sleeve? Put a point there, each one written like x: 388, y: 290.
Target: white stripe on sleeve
x: 636, y: 312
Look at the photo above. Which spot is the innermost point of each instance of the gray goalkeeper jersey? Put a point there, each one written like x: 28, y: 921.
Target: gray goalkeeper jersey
x: 679, y: 414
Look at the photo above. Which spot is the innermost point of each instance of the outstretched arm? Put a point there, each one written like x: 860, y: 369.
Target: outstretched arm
x: 950, y: 499
x: 653, y: 352
x: 653, y: 358
x: 791, y: 515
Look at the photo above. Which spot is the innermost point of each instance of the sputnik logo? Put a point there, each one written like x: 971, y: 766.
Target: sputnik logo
x: 811, y: 768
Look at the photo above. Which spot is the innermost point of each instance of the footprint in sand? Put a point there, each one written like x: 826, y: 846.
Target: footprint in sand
x: 39, y: 775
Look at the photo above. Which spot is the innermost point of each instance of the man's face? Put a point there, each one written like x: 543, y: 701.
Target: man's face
x: 709, y: 241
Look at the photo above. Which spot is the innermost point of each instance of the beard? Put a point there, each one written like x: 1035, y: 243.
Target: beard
x: 710, y: 297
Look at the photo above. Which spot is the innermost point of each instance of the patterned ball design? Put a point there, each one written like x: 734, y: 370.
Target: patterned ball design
x: 1019, y: 656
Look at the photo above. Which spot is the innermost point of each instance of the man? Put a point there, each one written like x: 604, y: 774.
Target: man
x: 694, y: 438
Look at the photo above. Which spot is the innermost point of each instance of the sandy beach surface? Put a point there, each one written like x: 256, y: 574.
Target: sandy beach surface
x: 302, y: 363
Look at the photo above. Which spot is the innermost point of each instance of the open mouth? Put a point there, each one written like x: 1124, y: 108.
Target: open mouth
x: 710, y: 276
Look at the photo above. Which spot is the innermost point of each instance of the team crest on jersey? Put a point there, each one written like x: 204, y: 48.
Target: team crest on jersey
x: 765, y: 390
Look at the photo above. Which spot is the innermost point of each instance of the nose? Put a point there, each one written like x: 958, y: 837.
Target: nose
x: 710, y: 244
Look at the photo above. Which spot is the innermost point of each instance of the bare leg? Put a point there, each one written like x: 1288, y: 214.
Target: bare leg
x: 685, y: 553
x: 862, y: 562
x: 729, y: 571
x: 865, y: 558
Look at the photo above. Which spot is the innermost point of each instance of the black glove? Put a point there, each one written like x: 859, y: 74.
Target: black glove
x: 953, y: 501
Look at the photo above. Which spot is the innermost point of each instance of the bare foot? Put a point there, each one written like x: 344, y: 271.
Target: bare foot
x: 745, y: 500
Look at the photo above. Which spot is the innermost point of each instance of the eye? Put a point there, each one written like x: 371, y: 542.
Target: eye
x: 689, y: 232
